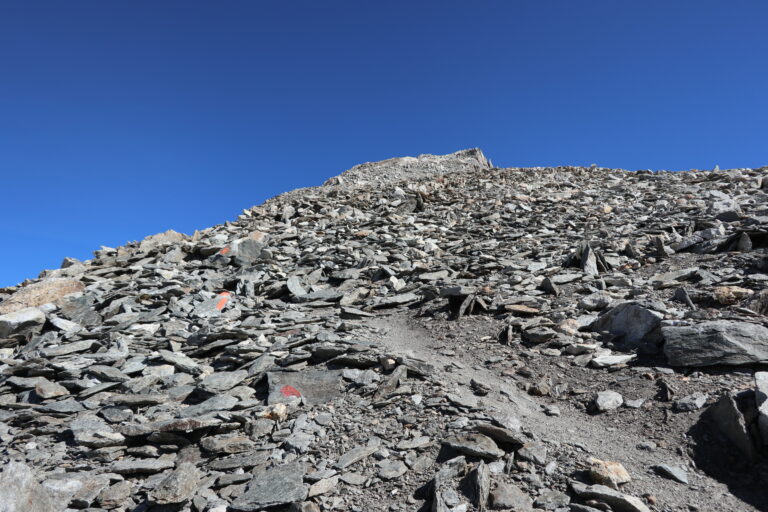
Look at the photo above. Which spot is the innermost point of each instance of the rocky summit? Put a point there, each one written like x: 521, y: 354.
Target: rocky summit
x: 429, y: 333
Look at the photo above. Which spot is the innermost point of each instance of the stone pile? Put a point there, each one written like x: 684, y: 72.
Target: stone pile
x: 250, y: 367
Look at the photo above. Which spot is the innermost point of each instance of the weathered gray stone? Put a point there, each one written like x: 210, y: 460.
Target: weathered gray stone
x: 311, y: 387
x: 220, y: 382
x: 716, y: 342
x: 672, y: 472
x: 115, y: 495
x: 691, y: 402
x: 391, y: 469
x: 141, y: 466
x: 178, y: 486
x: 508, y: 496
x: 474, y: 445
x: 480, y: 478
x: 355, y: 455
x: 213, y: 404
x: 279, y: 485
x: 20, y: 491
x: 39, y: 293
x: 608, y: 401
x: 635, y: 325
x: 25, y: 322
x: 726, y: 415
x: 551, y: 499
x: 535, y: 452
x: 180, y: 361
x: 619, y: 501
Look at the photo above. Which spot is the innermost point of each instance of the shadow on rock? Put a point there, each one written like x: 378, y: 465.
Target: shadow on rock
x: 727, y: 447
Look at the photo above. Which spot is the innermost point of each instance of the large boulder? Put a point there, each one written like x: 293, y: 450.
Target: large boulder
x: 20, y: 491
x: 42, y: 292
x: 716, y: 342
x: 25, y: 321
x: 635, y: 325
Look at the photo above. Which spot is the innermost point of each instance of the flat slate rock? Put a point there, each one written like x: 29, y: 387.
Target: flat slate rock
x: 718, y: 342
x: 311, y: 387
x: 279, y: 485
x: 475, y: 445
x: 178, y: 486
x: 20, y: 491
x: 141, y: 466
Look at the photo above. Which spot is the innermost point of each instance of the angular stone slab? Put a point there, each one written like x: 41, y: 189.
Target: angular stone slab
x: 279, y: 485
x: 312, y: 387
x: 24, y: 321
x: 716, y: 342
x: 632, y: 322
x: 474, y: 445
x: 21, y: 492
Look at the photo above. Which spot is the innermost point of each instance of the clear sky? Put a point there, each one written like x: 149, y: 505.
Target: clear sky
x: 121, y: 119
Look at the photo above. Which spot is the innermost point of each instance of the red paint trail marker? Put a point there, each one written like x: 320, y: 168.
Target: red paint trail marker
x: 223, y: 300
x: 224, y: 251
x: 290, y: 391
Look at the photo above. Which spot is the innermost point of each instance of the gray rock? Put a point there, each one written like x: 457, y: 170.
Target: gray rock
x: 673, y: 278
x: 242, y: 460
x: 551, y: 499
x: 500, y: 434
x: 535, y: 452
x: 227, y: 444
x: 474, y: 445
x: 279, y: 485
x: 635, y: 325
x: 220, y: 382
x: 538, y: 335
x: 441, y: 483
x: 141, y: 466
x: 323, y: 486
x: 508, y: 496
x: 672, y: 472
x: 27, y: 321
x: 716, y: 342
x: 619, y: 501
x: 68, y: 406
x: 726, y: 415
x: 213, y: 404
x: 611, y: 360
x: 93, y: 485
x: 180, y: 361
x: 608, y: 401
x: 589, y: 262
x: 115, y: 495
x: 691, y: 402
x: 178, y: 486
x: 596, y: 301
x: 480, y: 479
x: 355, y: 455
x: 67, y: 348
x: 20, y: 491
x: 391, y: 469
x: 311, y: 387
x: 46, y: 389
x: 295, y: 287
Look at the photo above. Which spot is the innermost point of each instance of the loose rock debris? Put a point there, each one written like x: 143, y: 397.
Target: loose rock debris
x: 428, y: 333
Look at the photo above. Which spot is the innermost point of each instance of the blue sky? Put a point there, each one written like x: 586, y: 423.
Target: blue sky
x: 123, y: 119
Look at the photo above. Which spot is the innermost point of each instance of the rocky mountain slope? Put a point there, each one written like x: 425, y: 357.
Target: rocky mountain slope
x: 428, y: 333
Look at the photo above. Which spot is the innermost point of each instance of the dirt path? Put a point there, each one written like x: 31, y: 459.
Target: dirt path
x: 574, y: 435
